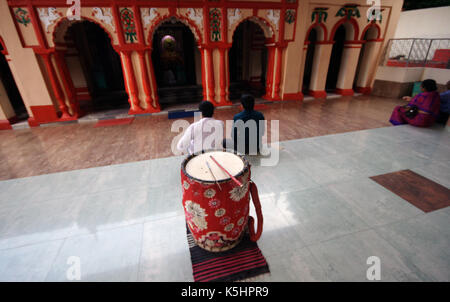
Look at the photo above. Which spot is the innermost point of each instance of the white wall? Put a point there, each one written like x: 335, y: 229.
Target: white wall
x: 424, y: 23
x: 412, y: 74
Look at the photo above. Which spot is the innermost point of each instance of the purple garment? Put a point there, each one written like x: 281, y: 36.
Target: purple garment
x: 428, y: 102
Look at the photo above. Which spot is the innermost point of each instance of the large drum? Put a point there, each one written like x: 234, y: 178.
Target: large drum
x: 216, y: 207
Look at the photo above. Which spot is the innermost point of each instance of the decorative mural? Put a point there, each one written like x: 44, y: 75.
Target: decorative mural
x: 196, y: 15
x: 234, y: 14
x: 349, y: 11
x: 274, y: 16
x: 148, y: 15
x: 214, y: 24
x: 289, y: 16
x: 104, y: 15
x: 48, y: 16
x: 22, y: 16
x: 127, y: 19
x: 319, y: 14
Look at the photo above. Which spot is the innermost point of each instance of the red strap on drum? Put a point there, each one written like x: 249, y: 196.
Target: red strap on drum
x: 251, y: 221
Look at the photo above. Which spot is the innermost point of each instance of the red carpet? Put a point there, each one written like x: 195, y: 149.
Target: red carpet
x: 241, y: 262
x: 113, y: 122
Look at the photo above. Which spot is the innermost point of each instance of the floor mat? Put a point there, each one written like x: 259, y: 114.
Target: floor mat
x: 181, y: 114
x: 420, y: 191
x: 242, y: 262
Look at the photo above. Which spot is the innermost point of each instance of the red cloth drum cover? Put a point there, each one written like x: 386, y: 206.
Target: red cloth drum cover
x: 218, y: 217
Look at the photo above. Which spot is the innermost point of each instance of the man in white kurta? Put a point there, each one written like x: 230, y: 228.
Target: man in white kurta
x: 205, y: 134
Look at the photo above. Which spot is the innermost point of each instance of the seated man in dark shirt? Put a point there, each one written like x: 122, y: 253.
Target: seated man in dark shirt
x: 247, y: 129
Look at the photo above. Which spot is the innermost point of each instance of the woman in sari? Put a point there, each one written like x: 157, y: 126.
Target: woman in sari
x: 421, y: 110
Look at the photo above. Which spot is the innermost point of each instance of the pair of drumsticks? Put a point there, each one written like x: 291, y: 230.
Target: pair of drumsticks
x: 224, y: 170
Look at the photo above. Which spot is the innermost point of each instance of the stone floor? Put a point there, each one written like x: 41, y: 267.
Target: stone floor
x: 56, y: 148
x: 323, y: 216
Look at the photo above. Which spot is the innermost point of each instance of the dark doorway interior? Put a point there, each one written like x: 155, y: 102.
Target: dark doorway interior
x: 11, y: 89
x: 174, y: 60
x: 335, y: 60
x: 101, y: 66
x: 248, y: 43
x: 312, y: 38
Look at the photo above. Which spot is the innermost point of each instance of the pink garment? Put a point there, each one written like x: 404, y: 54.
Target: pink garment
x: 428, y: 102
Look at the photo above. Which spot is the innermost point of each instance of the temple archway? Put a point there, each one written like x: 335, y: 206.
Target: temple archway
x: 248, y: 60
x: 344, y: 32
x: 315, y: 36
x: 177, y: 63
x: 366, y: 62
x: 92, y: 68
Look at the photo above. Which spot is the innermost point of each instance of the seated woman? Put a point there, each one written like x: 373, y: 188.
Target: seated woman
x: 421, y: 110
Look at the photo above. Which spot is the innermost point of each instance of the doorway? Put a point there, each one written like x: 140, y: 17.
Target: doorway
x: 312, y: 39
x: 12, y: 91
x: 100, y: 65
x: 177, y: 64
x: 336, y: 58
x: 247, y: 61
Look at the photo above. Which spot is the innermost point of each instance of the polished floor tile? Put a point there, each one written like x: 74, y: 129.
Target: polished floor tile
x: 165, y: 255
x: 29, y: 263
x: 318, y: 215
x: 111, y: 255
x: 423, y: 246
x: 346, y: 258
x: 436, y: 171
x: 373, y: 203
x: 294, y: 266
x: 323, y: 215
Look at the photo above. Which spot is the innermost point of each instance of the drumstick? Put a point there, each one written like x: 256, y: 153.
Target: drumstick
x: 223, y: 169
x: 209, y: 167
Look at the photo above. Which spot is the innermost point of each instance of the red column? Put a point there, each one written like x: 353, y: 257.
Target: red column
x: 223, y: 76
x: 55, y: 84
x: 67, y: 81
x: 145, y: 80
x: 210, y: 75
x: 131, y: 80
x: 205, y: 87
x: 153, y: 81
x: 269, y: 73
x: 279, y: 54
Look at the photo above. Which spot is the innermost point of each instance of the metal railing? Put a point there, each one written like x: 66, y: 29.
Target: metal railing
x: 417, y: 53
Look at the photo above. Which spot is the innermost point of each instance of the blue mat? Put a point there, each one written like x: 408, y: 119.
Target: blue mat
x: 181, y: 113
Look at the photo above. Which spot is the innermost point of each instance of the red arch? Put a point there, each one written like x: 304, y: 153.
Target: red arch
x: 74, y: 21
x: 182, y: 19
x: 324, y: 28
x: 367, y: 28
x: 342, y: 21
x: 259, y: 18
